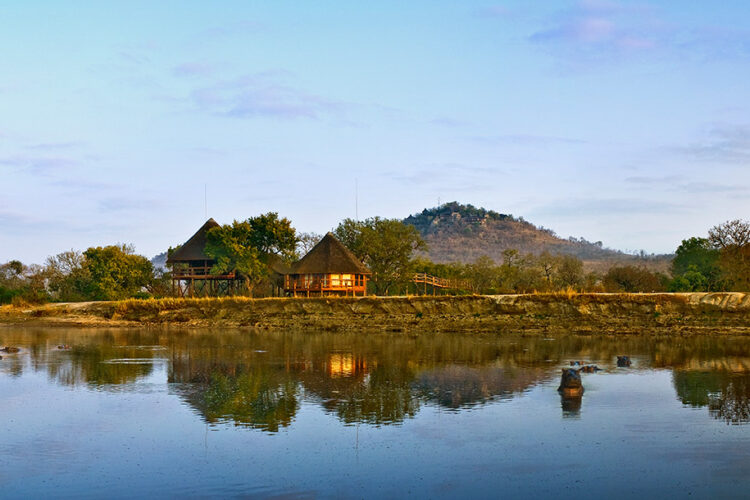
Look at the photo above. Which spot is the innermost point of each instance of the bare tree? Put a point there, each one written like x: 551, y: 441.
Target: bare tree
x: 306, y: 242
x: 732, y: 239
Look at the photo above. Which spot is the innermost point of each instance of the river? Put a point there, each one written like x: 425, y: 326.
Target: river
x: 129, y: 413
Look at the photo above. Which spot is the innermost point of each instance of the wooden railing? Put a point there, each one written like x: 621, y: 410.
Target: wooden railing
x: 199, y: 272
x: 436, y: 282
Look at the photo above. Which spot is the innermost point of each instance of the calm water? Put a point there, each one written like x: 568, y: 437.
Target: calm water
x: 222, y: 413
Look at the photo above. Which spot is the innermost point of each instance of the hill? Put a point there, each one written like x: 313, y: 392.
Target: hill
x: 463, y: 233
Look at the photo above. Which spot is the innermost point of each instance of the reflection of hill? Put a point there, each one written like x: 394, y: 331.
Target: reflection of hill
x: 454, y: 386
x: 726, y: 394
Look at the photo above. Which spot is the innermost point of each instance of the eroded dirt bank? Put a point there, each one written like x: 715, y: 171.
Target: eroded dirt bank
x: 595, y: 313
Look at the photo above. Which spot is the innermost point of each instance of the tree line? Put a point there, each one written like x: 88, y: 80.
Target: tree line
x: 393, y: 251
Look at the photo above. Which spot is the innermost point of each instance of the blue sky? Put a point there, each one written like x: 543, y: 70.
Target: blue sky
x: 625, y: 122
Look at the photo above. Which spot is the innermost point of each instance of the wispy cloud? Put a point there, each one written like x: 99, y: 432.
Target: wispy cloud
x: 449, y: 177
x: 644, y: 180
x: 194, y: 70
x: 53, y: 146
x: 127, y: 204
x: 607, y: 207
x: 447, y: 121
x: 260, y: 95
x: 682, y: 183
x: 41, y: 165
x: 603, y: 32
x: 721, y: 143
x: 593, y: 28
x: 223, y: 31
x: 526, y: 140
x: 494, y: 11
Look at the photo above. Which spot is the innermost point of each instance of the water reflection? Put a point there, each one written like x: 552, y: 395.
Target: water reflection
x: 726, y: 394
x: 261, y: 380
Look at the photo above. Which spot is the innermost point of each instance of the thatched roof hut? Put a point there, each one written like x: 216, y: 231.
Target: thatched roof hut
x: 329, y: 267
x: 329, y: 256
x: 194, y: 248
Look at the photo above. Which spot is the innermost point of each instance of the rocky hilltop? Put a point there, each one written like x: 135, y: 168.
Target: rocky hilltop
x: 462, y: 233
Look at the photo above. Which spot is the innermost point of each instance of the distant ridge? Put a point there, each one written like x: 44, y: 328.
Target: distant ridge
x: 463, y: 233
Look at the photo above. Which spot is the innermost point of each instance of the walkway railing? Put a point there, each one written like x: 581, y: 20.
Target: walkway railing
x: 436, y: 282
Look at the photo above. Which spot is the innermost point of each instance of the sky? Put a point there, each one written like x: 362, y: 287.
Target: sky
x: 129, y: 122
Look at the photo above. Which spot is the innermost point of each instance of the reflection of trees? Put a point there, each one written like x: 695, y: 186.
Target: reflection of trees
x: 726, y: 394
x: 381, y: 396
x: 89, y: 359
x: 259, y: 380
x: 257, y: 399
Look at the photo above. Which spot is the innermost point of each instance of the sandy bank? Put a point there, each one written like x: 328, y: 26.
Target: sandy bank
x: 595, y: 313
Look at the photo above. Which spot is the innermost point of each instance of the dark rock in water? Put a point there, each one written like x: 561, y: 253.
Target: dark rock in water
x: 570, y: 383
x: 590, y: 369
x: 10, y: 349
x: 623, y: 361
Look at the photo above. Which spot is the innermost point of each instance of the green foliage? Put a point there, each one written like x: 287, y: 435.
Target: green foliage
x: 386, y: 246
x: 100, y: 273
x: 517, y: 273
x: 263, y: 400
x: 231, y: 246
x: 19, y: 282
x: 247, y: 247
x: 695, y: 267
x: 114, y: 272
x: 691, y: 280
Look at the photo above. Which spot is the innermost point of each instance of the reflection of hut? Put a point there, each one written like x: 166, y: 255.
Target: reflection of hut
x: 191, y: 268
x: 345, y: 365
x: 329, y: 268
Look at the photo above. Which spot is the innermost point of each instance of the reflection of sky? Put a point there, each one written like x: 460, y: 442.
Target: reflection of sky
x: 633, y: 436
x: 573, y: 114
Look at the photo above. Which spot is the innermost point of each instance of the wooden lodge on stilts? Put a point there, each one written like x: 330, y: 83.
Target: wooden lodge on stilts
x: 328, y: 269
x: 191, y: 269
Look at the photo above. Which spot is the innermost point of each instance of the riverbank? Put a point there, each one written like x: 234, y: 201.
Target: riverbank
x: 684, y: 313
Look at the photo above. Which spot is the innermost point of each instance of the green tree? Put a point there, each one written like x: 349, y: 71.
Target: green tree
x: 691, y: 280
x: 696, y: 255
x: 21, y: 282
x: 246, y: 247
x: 114, y: 272
x: 386, y: 246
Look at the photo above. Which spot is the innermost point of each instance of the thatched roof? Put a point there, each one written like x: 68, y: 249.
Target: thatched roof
x: 329, y: 256
x: 193, y: 248
x: 278, y: 266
